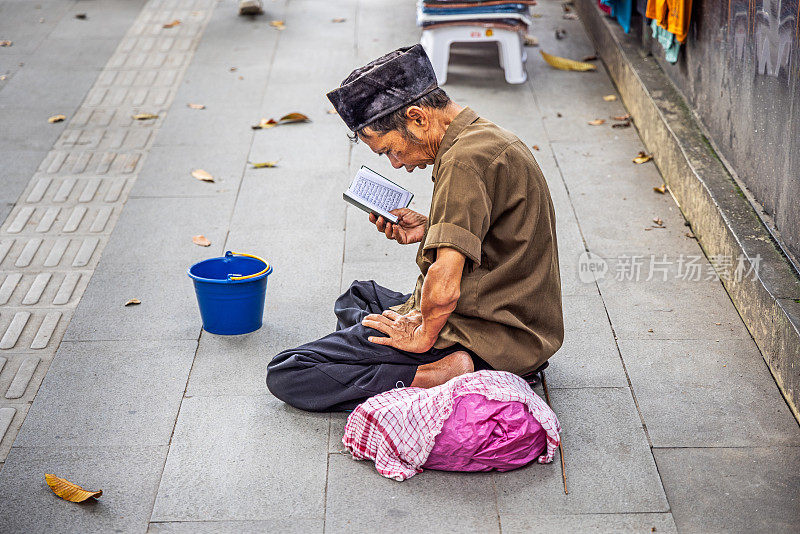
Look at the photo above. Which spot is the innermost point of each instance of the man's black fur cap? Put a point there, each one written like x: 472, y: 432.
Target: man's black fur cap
x: 383, y: 86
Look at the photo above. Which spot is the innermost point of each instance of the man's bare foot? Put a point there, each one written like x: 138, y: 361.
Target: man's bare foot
x: 439, y: 372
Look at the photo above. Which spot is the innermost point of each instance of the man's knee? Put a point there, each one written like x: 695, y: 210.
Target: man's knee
x: 286, y: 383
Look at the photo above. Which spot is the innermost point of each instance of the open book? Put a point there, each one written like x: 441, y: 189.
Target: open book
x: 373, y: 193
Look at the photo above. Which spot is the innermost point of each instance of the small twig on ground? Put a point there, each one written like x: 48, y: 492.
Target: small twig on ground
x: 560, y: 445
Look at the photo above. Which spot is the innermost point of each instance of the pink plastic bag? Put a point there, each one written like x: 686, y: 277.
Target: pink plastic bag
x: 483, y: 434
x: 475, y: 422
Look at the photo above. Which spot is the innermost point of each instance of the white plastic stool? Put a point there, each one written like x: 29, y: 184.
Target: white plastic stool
x: 437, y: 41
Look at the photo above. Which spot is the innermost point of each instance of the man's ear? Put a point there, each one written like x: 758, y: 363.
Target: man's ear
x: 418, y: 116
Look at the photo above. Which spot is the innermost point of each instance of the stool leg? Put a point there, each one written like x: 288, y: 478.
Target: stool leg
x: 438, y: 50
x: 511, y: 50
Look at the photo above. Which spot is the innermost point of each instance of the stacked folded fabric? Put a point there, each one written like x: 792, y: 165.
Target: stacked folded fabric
x: 502, y: 14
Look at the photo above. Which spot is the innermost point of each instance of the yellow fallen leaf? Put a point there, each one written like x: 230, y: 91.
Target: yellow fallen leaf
x: 69, y: 491
x: 144, y: 116
x: 338, y: 19
x: 597, y: 122
x: 172, y: 24
x: 197, y: 106
x: 133, y: 302
x: 203, y: 176
x: 56, y: 118
x: 610, y: 98
x: 277, y: 24
x: 537, y: 15
x: 566, y: 64
x: 661, y: 189
x: 332, y: 112
x: 201, y: 240
x: 265, y: 164
x: 294, y: 117
x: 642, y: 157
x: 622, y: 117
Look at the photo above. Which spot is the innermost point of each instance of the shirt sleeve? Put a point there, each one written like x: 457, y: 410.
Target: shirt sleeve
x: 460, y: 213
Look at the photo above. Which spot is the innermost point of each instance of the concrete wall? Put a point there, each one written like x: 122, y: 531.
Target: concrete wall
x: 740, y: 72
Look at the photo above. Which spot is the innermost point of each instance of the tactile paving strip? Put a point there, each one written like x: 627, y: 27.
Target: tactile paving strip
x: 51, y: 241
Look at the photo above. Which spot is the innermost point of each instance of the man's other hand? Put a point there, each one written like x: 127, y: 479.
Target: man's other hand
x: 410, y: 227
x: 405, y: 331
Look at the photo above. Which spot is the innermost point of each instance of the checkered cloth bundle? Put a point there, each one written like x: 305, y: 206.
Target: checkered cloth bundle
x: 397, y: 429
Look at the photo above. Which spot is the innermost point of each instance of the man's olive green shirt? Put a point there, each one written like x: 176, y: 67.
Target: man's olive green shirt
x: 491, y: 203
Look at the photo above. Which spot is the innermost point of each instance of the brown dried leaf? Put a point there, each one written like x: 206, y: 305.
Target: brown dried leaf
x: 56, y: 118
x: 144, y: 116
x: 234, y: 69
x: 332, y: 112
x: 530, y: 40
x: 133, y: 302
x: 338, y: 20
x: 661, y: 189
x: 625, y: 117
x: 81, y: 16
x: 590, y: 58
x: 203, y: 176
x: 172, y: 24
x: 625, y: 124
x: 197, y: 106
x: 642, y: 157
x: 658, y: 221
x: 537, y: 15
x: 294, y: 117
x: 535, y: 147
x: 6, y: 43
x: 559, y: 115
x: 201, y: 240
x: 597, y: 122
x: 278, y: 24
x: 265, y: 164
x: 263, y: 124
x: 691, y: 235
x: 69, y: 491
x: 610, y: 98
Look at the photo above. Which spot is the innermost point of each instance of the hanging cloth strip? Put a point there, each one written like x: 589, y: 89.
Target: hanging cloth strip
x: 621, y: 10
x: 672, y: 15
x: 667, y: 40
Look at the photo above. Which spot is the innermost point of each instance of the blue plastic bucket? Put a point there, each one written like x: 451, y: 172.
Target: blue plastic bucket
x: 230, y: 292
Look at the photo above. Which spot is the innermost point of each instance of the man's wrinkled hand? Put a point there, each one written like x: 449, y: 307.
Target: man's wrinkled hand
x: 405, y: 332
x: 410, y: 227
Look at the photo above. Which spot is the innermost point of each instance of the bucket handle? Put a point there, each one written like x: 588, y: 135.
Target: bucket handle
x: 259, y: 273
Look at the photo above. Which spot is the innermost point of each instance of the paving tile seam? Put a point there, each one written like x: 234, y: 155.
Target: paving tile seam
x: 52, y: 240
x: 585, y: 244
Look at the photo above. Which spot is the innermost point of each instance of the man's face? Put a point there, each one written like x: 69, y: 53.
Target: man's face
x: 401, y: 151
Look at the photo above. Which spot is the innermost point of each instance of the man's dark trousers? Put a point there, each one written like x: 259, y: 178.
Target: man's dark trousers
x: 344, y: 368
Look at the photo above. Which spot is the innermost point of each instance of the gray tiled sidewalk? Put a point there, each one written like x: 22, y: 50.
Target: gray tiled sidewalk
x: 671, y: 418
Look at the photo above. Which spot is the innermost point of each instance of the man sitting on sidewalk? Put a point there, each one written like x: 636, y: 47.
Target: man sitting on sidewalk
x: 489, y: 296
